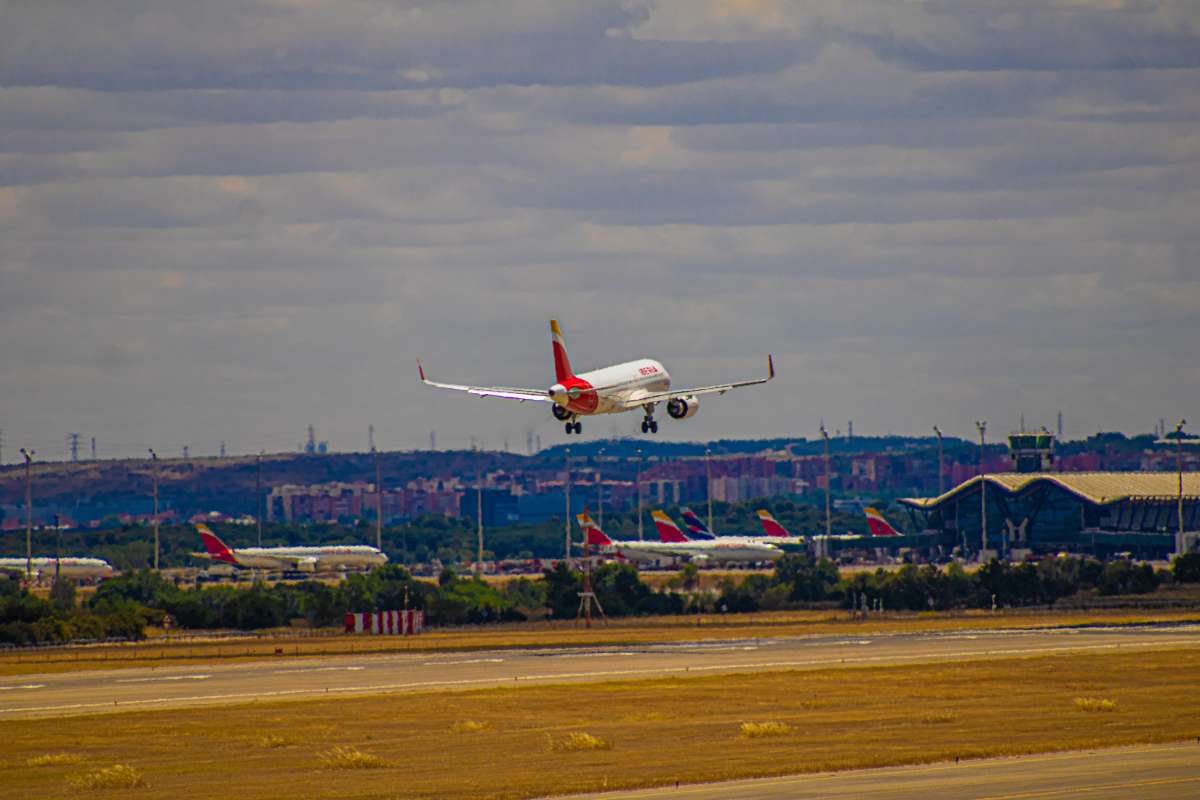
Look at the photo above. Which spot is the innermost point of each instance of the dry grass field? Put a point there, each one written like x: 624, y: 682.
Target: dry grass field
x: 526, y: 742
x: 165, y: 651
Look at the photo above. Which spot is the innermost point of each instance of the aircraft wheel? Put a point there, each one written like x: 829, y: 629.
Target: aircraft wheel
x: 578, y: 427
x: 645, y: 426
x: 570, y: 428
x: 653, y: 426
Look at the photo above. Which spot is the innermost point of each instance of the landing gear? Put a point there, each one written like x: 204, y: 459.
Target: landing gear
x: 574, y: 427
x: 648, y: 424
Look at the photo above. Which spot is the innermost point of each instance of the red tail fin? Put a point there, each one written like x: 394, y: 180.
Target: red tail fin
x: 562, y: 364
x: 770, y: 526
x: 595, y: 536
x: 668, y: 531
x: 878, y: 525
x: 215, y: 547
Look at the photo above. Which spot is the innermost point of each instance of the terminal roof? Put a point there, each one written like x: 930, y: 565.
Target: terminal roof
x: 1100, y: 488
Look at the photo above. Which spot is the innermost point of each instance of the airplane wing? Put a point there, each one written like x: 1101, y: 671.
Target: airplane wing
x: 657, y: 397
x: 505, y: 392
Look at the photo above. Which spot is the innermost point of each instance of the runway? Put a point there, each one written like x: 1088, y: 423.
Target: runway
x: 1148, y: 772
x: 89, y: 692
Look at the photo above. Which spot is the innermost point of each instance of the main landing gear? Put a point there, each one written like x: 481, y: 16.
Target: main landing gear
x: 648, y: 424
x: 574, y: 427
x: 563, y: 414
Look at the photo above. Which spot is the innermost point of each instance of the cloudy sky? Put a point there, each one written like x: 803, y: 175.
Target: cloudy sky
x: 223, y: 221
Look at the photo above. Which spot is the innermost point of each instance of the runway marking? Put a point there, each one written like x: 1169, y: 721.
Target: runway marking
x: 299, y: 670
x: 389, y: 687
x: 164, y: 678
x: 464, y: 661
x: 23, y: 686
x: 1095, y: 787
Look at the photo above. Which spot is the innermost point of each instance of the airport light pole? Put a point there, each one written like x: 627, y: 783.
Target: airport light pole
x: 378, y: 502
x: 1180, y: 542
x: 567, y: 500
x: 154, y: 478
x: 478, y: 515
x: 258, y: 502
x: 708, y: 483
x: 828, y: 484
x: 981, y: 426
x: 941, y: 463
x: 639, y: 493
x: 599, y: 491
x: 28, y: 454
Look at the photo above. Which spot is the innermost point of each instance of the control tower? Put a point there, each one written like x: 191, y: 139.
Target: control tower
x: 1031, y: 451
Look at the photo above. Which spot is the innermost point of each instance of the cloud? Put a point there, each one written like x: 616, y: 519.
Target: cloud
x: 226, y: 221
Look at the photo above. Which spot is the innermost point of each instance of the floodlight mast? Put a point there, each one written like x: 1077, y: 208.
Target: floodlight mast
x: 981, y: 426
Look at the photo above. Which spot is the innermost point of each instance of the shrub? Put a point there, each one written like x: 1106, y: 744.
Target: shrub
x: 578, y: 740
x: 118, y: 776
x: 347, y: 757
x: 756, y: 730
x: 272, y: 742
x: 53, y: 760
x: 469, y: 726
x: 1094, y: 704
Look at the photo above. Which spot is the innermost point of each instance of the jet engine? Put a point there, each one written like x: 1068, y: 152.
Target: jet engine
x: 683, y: 407
x: 306, y: 565
x: 560, y: 413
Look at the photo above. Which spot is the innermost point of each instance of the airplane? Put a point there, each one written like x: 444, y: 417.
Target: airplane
x: 696, y: 527
x: 878, y: 525
x: 722, y: 548
x: 67, y: 566
x: 643, y: 384
x: 302, y: 559
x: 630, y: 549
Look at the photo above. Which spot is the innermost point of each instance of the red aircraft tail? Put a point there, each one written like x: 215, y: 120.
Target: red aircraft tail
x: 595, y: 536
x: 878, y: 525
x: 562, y: 364
x: 215, y: 547
x: 668, y: 531
x: 770, y: 525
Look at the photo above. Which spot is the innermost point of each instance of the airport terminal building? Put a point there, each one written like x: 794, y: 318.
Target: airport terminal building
x: 1091, y: 512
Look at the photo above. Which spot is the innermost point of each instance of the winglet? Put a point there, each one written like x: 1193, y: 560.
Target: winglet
x: 770, y: 366
x: 420, y: 370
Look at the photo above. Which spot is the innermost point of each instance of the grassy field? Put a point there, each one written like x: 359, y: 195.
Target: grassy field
x: 161, y: 652
x: 514, y: 743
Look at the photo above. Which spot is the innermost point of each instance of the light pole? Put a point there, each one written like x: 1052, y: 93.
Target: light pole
x: 28, y: 514
x: 639, y: 492
x: 708, y: 483
x: 567, y: 515
x: 154, y: 473
x: 1180, y: 542
x: 941, y: 468
x: 378, y: 501
x: 599, y: 491
x: 828, y: 485
x: 478, y: 515
x: 981, y: 426
x: 258, y: 503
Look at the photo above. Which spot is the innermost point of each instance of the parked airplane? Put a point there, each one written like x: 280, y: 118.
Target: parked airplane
x: 610, y: 390
x: 67, y: 566
x: 696, y: 527
x: 721, y: 548
x: 630, y: 549
x: 878, y: 525
x: 302, y: 559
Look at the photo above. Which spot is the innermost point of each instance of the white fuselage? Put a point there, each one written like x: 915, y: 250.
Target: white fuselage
x: 69, y: 566
x: 724, y: 550
x: 615, y: 387
x: 309, y: 559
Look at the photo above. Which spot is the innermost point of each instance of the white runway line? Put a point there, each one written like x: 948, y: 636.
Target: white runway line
x: 164, y: 678
x: 23, y: 686
x: 299, y: 670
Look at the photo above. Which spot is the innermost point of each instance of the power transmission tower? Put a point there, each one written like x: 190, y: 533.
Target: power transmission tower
x: 93, y: 448
x: 433, y: 440
x: 310, y: 446
x: 222, y: 449
x: 73, y: 443
x: 371, y: 438
x: 185, y: 451
x: 1, y: 445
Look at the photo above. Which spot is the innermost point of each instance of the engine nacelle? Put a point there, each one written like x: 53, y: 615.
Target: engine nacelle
x: 683, y: 407
x: 561, y: 413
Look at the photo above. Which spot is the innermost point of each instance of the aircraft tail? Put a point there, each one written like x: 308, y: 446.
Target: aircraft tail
x: 696, y: 528
x: 668, y: 531
x: 215, y: 547
x: 595, y: 536
x: 562, y: 364
x: 770, y: 525
x: 878, y: 525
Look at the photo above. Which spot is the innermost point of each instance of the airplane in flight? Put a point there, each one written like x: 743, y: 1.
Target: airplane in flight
x: 643, y: 384
x: 721, y: 548
x: 301, y: 559
x: 67, y: 566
